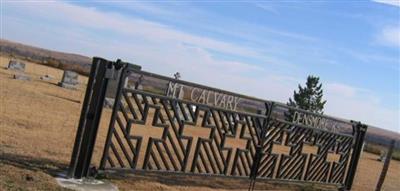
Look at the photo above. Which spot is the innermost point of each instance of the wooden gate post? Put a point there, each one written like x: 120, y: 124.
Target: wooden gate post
x: 385, y: 166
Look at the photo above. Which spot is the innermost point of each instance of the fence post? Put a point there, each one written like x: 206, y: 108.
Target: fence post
x: 259, y: 148
x: 360, y: 131
x: 385, y: 166
x: 79, y: 132
x: 101, y: 71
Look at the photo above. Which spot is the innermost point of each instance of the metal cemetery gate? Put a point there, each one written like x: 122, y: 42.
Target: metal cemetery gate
x: 164, y: 124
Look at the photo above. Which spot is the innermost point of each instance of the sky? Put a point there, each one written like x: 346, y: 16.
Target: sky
x: 257, y: 48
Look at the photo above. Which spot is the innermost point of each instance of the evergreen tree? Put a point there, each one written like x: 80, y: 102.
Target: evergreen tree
x: 309, y: 97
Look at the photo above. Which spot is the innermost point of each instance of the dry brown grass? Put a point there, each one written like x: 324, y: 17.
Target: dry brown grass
x: 38, y: 122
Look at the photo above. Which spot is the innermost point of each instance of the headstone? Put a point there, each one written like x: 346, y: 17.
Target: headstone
x: 16, y: 65
x: 139, y: 87
x: 382, y: 157
x: 69, y: 80
x: 21, y: 76
x: 109, y: 102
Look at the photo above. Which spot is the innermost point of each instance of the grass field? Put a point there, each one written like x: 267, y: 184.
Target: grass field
x: 38, y: 122
x: 377, y: 149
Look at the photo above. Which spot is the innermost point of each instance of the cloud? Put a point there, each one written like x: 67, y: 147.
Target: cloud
x: 140, y: 6
x: 266, y: 7
x: 115, y: 22
x: 359, y: 104
x: 395, y: 3
x: 390, y: 36
x: 341, y: 89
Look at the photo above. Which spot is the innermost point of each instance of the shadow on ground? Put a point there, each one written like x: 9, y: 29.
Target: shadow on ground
x: 64, y: 98
x: 47, y: 166
x: 211, y: 182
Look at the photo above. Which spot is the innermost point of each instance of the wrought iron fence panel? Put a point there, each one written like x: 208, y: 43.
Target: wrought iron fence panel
x: 294, y: 151
x: 159, y: 133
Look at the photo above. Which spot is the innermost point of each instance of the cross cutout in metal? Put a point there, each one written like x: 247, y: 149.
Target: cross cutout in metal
x: 196, y: 131
x: 309, y: 149
x: 238, y: 140
x: 333, y: 157
x: 146, y: 131
x: 280, y: 147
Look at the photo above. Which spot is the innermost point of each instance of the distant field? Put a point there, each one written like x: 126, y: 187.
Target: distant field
x: 38, y: 123
x: 377, y: 149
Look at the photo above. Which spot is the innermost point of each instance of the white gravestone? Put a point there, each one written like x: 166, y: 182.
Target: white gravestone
x: 16, y: 65
x: 69, y: 80
x: 382, y: 157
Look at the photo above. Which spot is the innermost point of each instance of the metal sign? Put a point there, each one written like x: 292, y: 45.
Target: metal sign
x: 203, y: 96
